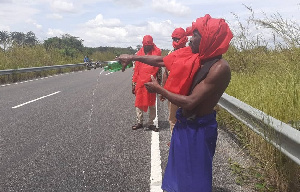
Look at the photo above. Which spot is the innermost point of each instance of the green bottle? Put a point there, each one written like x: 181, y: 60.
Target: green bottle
x: 114, y: 66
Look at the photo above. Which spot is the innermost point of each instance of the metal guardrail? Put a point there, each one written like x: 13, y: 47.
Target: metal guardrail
x: 281, y: 135
x: 35, y: 69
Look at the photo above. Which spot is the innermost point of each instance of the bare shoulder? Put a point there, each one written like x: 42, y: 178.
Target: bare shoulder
x: 220, y: 71
x: 208, y: 92
x: 221, y: 66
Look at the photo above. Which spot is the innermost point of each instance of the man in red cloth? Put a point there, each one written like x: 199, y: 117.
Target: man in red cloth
x: 193, y: 142
x: 142, y: 74
x: 179, y: 41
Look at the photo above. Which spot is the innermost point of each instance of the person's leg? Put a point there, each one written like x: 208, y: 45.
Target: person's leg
x: 139, y: 115
x: 152, y: 115
x: 139, y: 119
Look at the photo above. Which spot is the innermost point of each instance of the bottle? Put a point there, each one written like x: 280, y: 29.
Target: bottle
x: 114, y: 66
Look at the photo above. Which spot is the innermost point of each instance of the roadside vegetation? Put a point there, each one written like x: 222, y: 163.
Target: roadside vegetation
x: 20, y: 50
x: 265, y: 74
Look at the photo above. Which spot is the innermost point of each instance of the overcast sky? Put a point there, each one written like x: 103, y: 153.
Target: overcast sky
x: 123, y: 23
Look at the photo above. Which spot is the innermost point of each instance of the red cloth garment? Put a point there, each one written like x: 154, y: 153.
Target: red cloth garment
x: 142, y: 74
x: 180, y: 34
x: 183, y: 64
x: 215, y: 36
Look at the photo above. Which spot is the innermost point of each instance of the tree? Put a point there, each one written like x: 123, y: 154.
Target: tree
x: 68, y: 44
x: 53, y: 42
x: 4, y: 39
x: 73, y: 42
x: 18, y: 38
x: 30, y: 39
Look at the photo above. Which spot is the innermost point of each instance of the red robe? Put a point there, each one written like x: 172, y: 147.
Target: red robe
x: 142, y: 74
x: 183, y: 64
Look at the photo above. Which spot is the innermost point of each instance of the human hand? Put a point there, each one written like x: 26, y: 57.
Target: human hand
x: 152, y: 86
x: 124, y: 59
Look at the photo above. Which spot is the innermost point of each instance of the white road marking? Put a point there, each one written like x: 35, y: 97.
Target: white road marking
x: 38, y: 79
x: 156, y: 172
x: 35, y: 100
x: 109, y: 73
x: 85, y: 176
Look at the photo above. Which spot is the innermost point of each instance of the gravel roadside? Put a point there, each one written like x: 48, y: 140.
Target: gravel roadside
x: 223, y: 178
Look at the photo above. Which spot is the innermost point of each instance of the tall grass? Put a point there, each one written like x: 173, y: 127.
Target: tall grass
x: 33, y: 56
x: 37, y: 56
x: 269, y: 81
x: 266, y: 75
x: 103, y: 56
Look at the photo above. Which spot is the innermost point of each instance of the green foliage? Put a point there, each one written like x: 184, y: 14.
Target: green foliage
x: 164, y: 52
x: 8, y: 40
x: 274, y: 74
x: 67, y: 45
x: 4, y: 39
x: 252, y: 176
x: 103, y: 56
x: 271, y: 71
x: 266, y: 76
x: 113, y: 50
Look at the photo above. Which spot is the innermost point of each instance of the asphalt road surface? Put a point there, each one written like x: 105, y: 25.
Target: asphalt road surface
x: 72, y: 132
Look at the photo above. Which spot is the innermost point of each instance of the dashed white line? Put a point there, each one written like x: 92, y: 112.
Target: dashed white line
x: 38, y: 79
x: 35, y: 100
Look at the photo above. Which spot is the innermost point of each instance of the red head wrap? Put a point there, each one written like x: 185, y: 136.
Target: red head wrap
x: 215, y: 36
x: 180, y: 34
x: 183, y: 64
x: 147, y: 40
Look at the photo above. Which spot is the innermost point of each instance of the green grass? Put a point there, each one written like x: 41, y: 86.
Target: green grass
x: 270, y: 82
x: 36, y: 56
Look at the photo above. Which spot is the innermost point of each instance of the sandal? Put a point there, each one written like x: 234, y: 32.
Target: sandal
x: 137, y: 126
x: 153, y: 128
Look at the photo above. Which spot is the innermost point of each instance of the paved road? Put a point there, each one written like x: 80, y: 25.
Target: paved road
x: 72, y: 132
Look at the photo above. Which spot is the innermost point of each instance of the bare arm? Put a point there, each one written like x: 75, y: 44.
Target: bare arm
x: 212, y: 86
x: 153, y: 60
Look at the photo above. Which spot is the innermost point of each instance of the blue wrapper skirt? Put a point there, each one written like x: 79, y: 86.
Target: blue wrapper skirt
x: 193, y: 144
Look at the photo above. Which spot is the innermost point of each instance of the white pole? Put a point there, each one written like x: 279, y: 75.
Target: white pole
x: 155, y: 121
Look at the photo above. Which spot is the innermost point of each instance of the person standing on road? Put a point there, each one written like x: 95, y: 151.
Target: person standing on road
x: 193, y: 142
x: 142, y: 74
x: 179, y: 41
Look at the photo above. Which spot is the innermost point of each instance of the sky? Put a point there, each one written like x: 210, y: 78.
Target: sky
x: 123, y: 23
